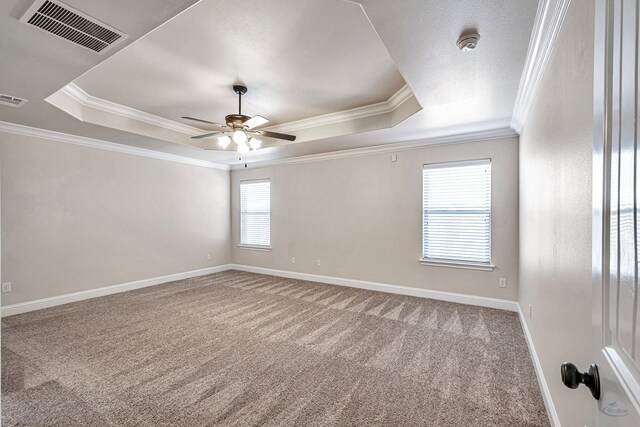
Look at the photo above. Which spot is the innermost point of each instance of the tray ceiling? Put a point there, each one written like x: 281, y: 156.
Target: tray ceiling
x: 299, y: 59
x: 395, y: 69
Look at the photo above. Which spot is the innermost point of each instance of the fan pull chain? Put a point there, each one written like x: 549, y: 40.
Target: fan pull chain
x: 245, y: 159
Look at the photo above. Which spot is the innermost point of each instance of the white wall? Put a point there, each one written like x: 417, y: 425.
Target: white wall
x: 361, y: 216
x: 555, y: 212
x: 76, y: 218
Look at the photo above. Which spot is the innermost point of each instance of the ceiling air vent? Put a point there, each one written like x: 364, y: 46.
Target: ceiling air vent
x: 57, y: 18
x: 11, y: 101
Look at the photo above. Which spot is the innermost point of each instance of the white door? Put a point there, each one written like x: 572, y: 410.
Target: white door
x: 616, y: 218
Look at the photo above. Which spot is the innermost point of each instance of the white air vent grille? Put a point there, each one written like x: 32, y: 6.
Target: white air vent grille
x: 11, y: 101
x: 59, y: 19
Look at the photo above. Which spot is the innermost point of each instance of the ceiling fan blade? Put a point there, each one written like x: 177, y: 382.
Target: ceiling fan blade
x: 256, y: 121
x: 206, y: 135
x: 275, y: 135
x: 202, y: 121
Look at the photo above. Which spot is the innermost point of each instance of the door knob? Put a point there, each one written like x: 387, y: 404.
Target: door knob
x: 572, y: 378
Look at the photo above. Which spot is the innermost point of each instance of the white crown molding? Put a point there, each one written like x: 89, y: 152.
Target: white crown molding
x: 87, y: 100
x: 544, y: 388
x: 546, y: 28
x: 467, y: 299
x: 82, y: 99
x: 90, y: 101
x: 24, y: 307
x: 17, y: 129
x: 396, y: 100
x: 104, y: 145
x: 485, y: 135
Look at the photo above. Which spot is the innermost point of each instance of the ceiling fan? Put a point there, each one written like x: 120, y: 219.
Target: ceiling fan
x: 242, y: 130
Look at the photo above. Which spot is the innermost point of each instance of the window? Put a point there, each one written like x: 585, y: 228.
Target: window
x: 456, y: 214
x: 255, y: 213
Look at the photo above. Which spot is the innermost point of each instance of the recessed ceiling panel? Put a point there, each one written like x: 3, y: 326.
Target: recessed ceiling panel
x: 299, y: 59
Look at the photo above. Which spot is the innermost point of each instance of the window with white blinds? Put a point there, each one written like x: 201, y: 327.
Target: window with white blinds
x: 456, y: 221
x: 255, y: 213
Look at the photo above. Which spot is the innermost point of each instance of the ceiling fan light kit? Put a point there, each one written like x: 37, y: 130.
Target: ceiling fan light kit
x: 239, y: 137
x: 255, y: 143
x: 243, y: 148
x: 224, y: 141
x: 240, y: 129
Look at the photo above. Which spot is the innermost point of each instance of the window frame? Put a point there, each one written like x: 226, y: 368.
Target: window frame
x: 453, y: 263
x: 244, y: 245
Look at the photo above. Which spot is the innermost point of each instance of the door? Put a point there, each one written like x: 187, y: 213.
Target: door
x: 616, y: 218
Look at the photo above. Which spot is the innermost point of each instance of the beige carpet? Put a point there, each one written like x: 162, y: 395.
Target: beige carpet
x: 242, y: 349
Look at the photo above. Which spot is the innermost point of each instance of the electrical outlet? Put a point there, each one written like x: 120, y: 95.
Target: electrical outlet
x: 530, y: 311
x: 208, y: 257
x: 293, y: 260
x: 318, y: 262
x: 502, y: 282
x: 6, y: 287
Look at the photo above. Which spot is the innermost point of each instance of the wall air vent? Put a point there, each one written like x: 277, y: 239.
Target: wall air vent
x: 11, y: 101
x: 57, y: 18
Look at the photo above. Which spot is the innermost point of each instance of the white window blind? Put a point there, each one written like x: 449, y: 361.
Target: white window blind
x: 255, y: 213
x: 456, y: 222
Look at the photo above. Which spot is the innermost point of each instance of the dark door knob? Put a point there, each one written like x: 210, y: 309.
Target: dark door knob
x: 572, y: 378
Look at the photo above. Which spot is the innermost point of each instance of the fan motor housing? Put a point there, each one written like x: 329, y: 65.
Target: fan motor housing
x: 236, y: 121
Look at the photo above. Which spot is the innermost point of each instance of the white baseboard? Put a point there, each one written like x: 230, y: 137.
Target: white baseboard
x: 501, y: 304
x: 544, y: 388
x: 25, y: 307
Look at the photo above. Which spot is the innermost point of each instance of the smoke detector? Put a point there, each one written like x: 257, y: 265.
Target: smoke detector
x: 468, y: 42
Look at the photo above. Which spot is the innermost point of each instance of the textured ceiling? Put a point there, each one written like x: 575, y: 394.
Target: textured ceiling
x: 299, y: 58
x: 36, y: 64
x: 457, y: 91
x: 457, y: 87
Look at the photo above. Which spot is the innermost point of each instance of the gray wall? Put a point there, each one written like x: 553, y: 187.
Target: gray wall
x: 361, y: 216
x: 77, y: 218
x: 555, y: 212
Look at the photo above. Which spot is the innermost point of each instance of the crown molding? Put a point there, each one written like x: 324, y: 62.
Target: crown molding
x: 85, y: 99
x: 485, y: 135
x: 396, y: 100
x: 85, y: 107
x: 104, y: 145
x: 546, y: 28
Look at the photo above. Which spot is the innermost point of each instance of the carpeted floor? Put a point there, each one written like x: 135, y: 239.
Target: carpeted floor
x: 243, y: 349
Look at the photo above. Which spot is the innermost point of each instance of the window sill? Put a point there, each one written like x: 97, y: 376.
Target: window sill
x: 255, y: 248
x: 458, y: 264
